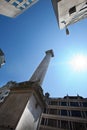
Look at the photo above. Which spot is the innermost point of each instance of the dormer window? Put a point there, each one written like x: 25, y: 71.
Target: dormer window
x: 72, y: 10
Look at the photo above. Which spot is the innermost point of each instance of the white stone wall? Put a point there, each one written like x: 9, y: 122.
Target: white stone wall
x: 30, y: 117
x: 14, y: 7
x: 62, y: 8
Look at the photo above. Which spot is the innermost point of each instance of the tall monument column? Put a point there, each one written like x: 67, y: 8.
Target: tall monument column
x: 21, y: 105
x: 40, y: 72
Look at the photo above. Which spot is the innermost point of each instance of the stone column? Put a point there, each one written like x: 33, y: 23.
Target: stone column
x: 41, y: 70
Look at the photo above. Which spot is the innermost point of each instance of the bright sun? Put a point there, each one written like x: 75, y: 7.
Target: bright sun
x: 79, y: 63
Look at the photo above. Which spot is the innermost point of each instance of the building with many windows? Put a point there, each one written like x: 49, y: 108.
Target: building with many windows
x: 12, y: 8
x: 68, y: 113
x: 69, y: 11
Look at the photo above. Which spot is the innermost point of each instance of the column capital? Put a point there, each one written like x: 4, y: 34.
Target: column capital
x: 50, y: 52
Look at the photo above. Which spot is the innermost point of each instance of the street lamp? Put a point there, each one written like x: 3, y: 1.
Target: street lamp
x: 67, y: 30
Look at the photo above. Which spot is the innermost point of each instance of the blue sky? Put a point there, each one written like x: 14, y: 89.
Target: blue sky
x: 24, y: 40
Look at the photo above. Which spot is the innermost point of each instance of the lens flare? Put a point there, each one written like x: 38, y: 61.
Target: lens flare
x: 79, y: 63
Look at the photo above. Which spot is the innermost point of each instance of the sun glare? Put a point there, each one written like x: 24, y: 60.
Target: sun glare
x: 79, y: 63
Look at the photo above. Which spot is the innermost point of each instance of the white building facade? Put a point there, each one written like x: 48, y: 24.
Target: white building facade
x: 12, y: 8
x: 69, y: 11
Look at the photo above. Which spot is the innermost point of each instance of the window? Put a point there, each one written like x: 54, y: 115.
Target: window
x: 86, y: 125
x: 25, y: 4
x: 44, y: 110
x: 86, y: 113
x: 53, y: 103
x: 52, y: 122
x: 59, y: 103
x: 64, y: 124
x: 76, y: 113
x: 84, y: 7
x: 1, y: 98
x: 80, y: 104
x: 69, y: 113
x: 53, y: 111
x: 78, y: 126
x: 30, y: 1
x: 20, y: 1
x: 75, y: 104
x: 72, y: 10
x: 7, y: 0
x: 21, y: 8
x: 58, y: 123
x: 63, y: 103
x: 15, y: 4
x: 70, y: 125
x: 83, y: 114
x: 64, y: 112
x: 84, y: 104
x: 44, y: 121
